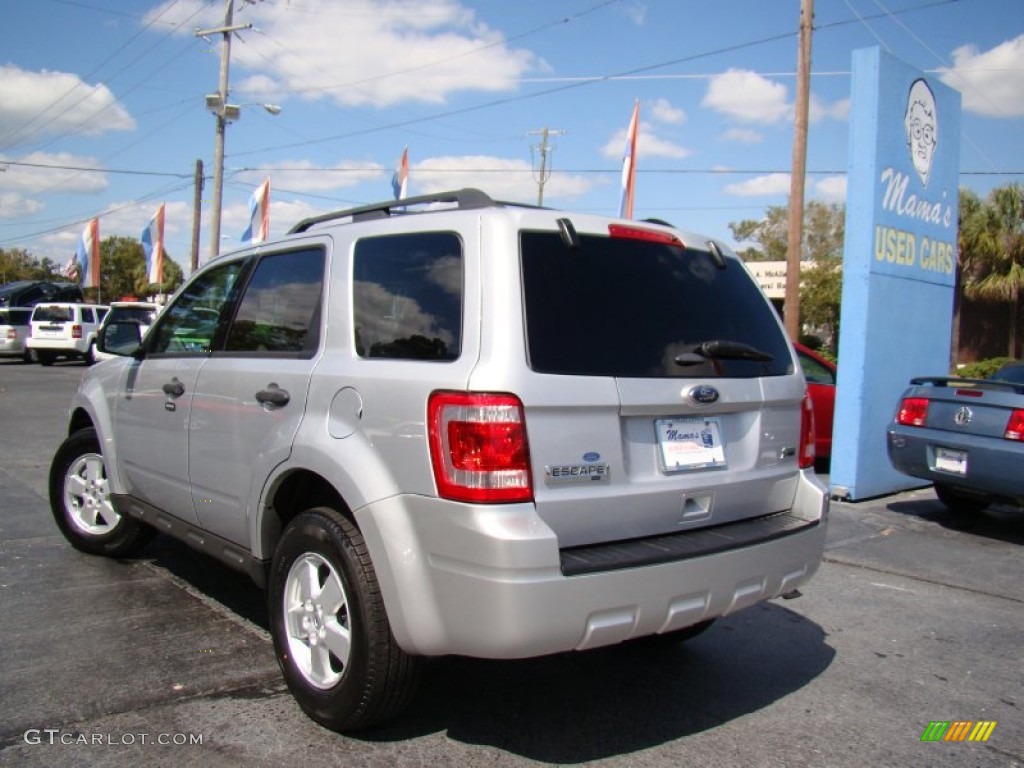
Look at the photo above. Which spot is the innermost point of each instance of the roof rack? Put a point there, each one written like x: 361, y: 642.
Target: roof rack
x: 466, y: 199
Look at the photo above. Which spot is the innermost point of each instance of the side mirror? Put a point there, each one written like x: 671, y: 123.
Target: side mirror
x: 122, y: 338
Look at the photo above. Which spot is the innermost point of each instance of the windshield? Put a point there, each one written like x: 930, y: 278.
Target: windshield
x: 142, y: 315
x: 629, y: 308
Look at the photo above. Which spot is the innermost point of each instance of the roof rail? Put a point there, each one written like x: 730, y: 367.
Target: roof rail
x: 466, y: 199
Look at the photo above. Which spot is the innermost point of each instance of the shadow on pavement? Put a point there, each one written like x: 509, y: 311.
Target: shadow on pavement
x: 999, y: 522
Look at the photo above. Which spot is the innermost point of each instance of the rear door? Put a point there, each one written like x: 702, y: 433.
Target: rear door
x: 250, y: 395
x: 667, y: 395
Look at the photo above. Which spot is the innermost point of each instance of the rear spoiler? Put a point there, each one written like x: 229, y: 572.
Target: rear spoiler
x: 955, y: 381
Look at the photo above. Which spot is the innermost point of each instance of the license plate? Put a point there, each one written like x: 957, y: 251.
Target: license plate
x: 691, y: 442
x: 948, y: 460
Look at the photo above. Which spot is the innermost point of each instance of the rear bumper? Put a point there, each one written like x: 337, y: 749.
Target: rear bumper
x: 993, y: 465
x: 59, y: 346
x: 488, y: 581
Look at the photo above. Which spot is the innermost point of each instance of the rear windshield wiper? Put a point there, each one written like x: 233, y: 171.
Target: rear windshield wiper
x: 721, y: 349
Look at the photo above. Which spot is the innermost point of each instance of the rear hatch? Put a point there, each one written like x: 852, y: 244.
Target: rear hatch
x: 53, y: 322
x: 664, y: 394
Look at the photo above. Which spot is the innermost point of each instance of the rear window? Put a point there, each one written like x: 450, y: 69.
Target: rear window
x: 630, y: 308
x: 53, y: 315
x: 15, y: 316
x: 142, y: 315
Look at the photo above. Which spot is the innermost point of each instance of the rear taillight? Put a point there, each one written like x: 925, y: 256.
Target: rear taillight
x: 1015, y: 425
x: 76, y: 331
x: 913, y: 412
x: 12, y: 334
x: 807, y: 449
x: 478, y: 447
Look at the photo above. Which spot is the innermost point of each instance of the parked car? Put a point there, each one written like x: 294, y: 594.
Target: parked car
x: 28, y: 293
x: 448, y: 425
x: 141, y: 312
x: 65, y: 330
x: 1012, y: 372
x: 14, y: 330
x: 821, y: 385
x: 964, y: 435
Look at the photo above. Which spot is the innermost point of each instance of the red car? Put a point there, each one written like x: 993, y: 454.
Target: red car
x: 821, y: 384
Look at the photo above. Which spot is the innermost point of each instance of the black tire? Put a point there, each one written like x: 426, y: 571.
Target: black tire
x: 960, y: 502
x: 335, y: 645
x: 81, y: 504
x: 90, y: 354
x: 29, y: 355
x: 44, y: 358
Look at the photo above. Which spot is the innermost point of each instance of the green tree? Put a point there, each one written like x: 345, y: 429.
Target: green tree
x: 992, y: 252
x: 17, y: 264
x: 123, y: 271
x: 821, y: 277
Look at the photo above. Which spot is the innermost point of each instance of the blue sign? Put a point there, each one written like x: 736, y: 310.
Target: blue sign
x: 899, y: 261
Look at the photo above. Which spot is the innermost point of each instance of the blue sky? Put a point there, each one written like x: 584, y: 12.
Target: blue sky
x: 102, y: 107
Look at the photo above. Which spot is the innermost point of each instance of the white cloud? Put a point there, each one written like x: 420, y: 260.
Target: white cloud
x: 306, y: 176
x: 818, y: 110
x: 831, y: 189
x: 743, y: 136
x: 648, y: 144
x: 14, y: 205
x: 992, y: 82
x: 363, y: 52
x: 43, y: 104
x: 636, y: 11
x: 772, y: 184
x: 748, y: 97
x: 662, y: 111
x: 25, y: 178
x: 501, y: 178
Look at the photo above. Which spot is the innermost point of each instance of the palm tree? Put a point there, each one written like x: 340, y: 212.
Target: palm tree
x: 995, y: 240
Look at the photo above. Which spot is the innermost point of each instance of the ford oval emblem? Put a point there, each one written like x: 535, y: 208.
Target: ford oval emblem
x: 703, y: 395
x: 591, y: 456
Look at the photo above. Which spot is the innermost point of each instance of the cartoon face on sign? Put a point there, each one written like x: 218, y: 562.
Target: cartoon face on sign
x: 922, y: 126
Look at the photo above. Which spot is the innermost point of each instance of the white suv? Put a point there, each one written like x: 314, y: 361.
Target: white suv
x: 448, y: 425
x: 65, y: 330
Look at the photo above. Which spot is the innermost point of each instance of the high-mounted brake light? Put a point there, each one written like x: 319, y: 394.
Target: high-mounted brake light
x: 478, y: 447
x: 913, y: 412
x: 647, y: 235
x: 1015, y: 425
x: 808, y: 452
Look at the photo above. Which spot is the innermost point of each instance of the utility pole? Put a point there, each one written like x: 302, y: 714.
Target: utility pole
x: 545, y: 172
x: 791, y: 307
x: 197, y: 208
x: 222, y: 112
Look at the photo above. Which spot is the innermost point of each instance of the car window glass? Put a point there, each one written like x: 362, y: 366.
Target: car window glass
x: 280, y: 309
x: 815, y: 372
x: 87, y: 315
x: 56, y: 314
x: 606, y: 306
x: 408, y: 296
x: 187, y: 326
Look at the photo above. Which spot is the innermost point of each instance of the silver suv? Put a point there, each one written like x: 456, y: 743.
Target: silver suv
x: 448, y: 425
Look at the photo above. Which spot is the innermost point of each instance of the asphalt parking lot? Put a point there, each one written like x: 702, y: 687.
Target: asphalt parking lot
x: 165, y: 659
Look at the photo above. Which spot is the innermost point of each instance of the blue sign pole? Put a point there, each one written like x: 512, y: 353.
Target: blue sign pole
x: 899, y: 260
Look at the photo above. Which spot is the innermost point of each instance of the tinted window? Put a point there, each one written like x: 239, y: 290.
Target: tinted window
x: 142, y: 315
x: 15, y: 316
x: 280, y: 309
x: 408, y: 296
x: 87, y: 315
x: 188, y: 326
x: 629, y: 308
x: 53, y: 314
x: 1011, y: 373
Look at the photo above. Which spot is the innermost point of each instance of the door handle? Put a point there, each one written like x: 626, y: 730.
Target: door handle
x: 174, y: 388
x: 273, y: 395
